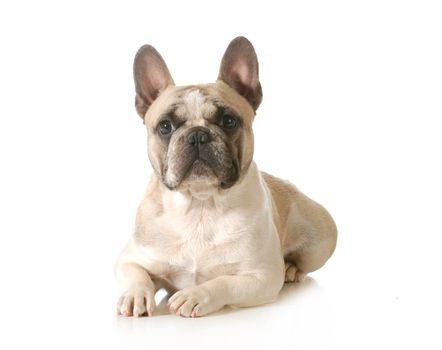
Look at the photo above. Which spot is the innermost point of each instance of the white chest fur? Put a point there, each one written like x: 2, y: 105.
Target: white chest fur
x: 197, y: 238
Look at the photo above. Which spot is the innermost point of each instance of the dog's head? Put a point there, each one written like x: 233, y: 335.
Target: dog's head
x: 199, y: 134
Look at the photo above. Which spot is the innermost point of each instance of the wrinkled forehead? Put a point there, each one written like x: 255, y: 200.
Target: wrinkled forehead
x: 198, y: 103
x: 193, y: 103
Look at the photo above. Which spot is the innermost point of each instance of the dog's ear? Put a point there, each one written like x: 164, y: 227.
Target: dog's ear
x: 151, y: 77
x: 239, y: 69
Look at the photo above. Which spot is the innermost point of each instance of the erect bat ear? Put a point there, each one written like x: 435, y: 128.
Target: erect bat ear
x: 239, y: 69
x: 151, y: 77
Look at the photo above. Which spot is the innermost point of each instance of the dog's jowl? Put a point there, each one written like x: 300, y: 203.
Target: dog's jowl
x: 212, y: 229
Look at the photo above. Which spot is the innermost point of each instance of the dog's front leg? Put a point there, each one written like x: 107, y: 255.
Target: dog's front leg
x: 138, y: 294
x: 247, y: 290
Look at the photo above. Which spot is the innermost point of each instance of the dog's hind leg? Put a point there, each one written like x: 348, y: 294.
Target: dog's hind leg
x: 307, y: 231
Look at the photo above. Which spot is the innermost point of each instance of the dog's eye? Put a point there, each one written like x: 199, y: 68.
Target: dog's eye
x: 165, y: 127
x: 228, y: 122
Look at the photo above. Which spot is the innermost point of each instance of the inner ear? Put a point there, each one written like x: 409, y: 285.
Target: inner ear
x: 151, y: 77
x: 239, y: 69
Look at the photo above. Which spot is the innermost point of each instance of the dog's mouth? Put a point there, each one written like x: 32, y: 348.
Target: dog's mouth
x: 211, y: 171
x: 202, y: 169
x: 199, y: 170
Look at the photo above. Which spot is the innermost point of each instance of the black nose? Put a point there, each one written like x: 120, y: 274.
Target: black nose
x: 198, y: 137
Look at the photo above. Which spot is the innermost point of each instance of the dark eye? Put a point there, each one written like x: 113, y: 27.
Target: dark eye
x: 228, y: 121
x: 164, y: 127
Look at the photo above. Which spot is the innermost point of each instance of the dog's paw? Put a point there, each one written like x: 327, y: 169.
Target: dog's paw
x: 292, y: 274
x: 192, y: 302
x: 136, y: 302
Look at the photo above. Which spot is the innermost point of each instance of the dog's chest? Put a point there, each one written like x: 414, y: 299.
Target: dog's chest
x: 196, y: 247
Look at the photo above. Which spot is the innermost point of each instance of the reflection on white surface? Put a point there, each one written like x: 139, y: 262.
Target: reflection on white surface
x: 301, y: 315
x: 351, y: 114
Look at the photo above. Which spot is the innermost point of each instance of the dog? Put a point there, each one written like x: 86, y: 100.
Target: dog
x: 212, y: 229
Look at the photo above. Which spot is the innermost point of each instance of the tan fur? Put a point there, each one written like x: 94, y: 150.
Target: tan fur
x: 211, y: 245
x: 303, y: 225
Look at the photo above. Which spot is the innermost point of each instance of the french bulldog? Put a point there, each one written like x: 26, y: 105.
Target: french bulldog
x: 212, y: 229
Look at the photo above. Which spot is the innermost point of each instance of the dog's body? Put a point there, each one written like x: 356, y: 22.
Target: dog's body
x: 212, y: 228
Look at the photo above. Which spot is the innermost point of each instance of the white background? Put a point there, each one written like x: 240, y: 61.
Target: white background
x: 351, y: 114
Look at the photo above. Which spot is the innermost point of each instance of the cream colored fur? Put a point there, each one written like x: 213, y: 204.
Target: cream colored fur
x: 213, y: 247
x: 218, y: 249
